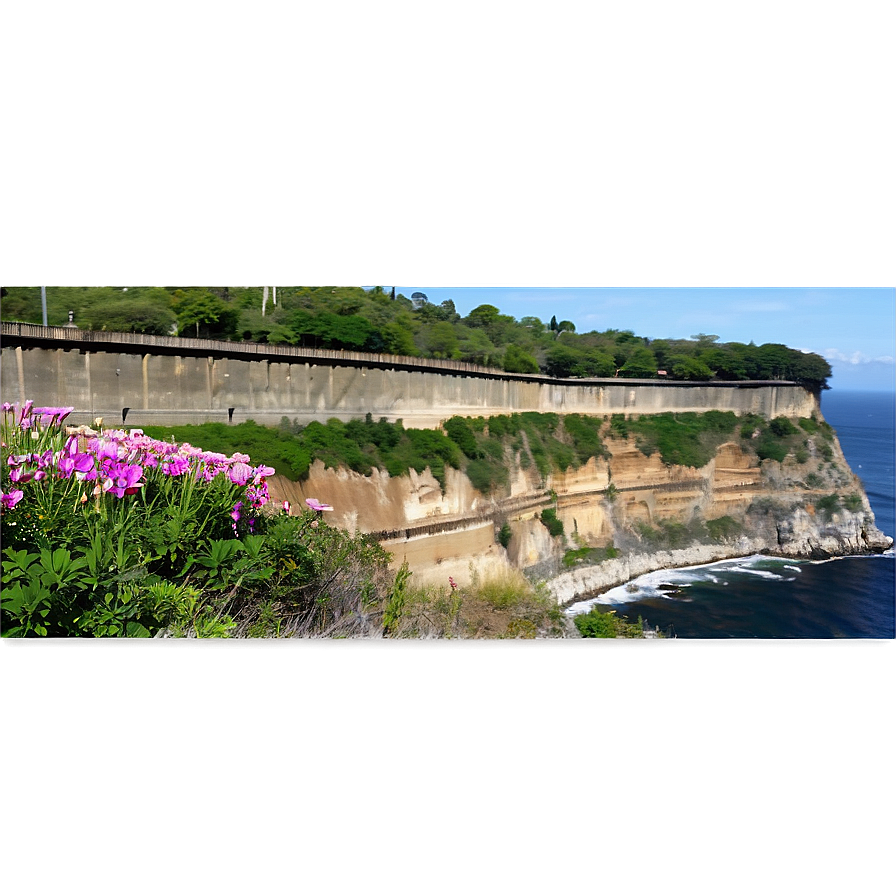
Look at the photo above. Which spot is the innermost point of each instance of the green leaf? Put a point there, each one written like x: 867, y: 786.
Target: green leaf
x: 13, y: 599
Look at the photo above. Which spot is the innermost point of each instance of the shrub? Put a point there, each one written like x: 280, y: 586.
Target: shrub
x: 504, y: 535
x: 486, y: 474
x: 605, y: 624
x: 828, y: 506
x: 584, y: 433
x: 723, y: 528
x: 853, y: 503
x: 120, y: 535
x: 460, y: 432
x: 685, y: 439
x: 782, y: 427
x: 768, y: 447
x: 549, y: 519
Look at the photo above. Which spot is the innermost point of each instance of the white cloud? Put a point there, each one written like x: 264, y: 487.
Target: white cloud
x: 833, y: 354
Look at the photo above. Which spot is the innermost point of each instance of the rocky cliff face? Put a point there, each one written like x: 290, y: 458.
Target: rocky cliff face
x: 650, y: 515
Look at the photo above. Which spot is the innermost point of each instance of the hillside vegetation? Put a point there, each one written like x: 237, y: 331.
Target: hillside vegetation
x: 486, y: 449
x: 373, y: 320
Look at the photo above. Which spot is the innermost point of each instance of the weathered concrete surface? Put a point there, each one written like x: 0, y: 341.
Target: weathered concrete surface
x: 172, y: 389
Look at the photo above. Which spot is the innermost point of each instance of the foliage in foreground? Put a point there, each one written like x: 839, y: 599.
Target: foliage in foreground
x: 114, y: 534
x: 110, y: 534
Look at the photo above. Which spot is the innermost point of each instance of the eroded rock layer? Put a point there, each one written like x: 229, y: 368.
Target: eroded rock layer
x: 649, y: 514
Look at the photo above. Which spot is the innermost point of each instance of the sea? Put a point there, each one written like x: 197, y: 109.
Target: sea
x: 771, y: 597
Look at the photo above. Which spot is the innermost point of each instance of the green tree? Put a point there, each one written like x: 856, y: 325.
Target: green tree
x: 482, y: 316
x: 518, y: 361
x: 594, y: 362
x: 684, y: 368
x: 200, y: 308
x: 641, y: 363
x: 561, y: 361
x: 442, y: 340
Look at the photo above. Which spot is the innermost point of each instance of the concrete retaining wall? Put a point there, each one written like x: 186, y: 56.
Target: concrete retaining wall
x: 196, y: 382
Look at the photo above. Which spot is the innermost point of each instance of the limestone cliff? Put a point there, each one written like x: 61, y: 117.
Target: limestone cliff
x: 650, y: 514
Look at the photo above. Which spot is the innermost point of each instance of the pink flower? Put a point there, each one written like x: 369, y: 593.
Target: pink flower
x: 10, y: 499
x: 314, y: 504
x: 124, y: 479
x: 175, y: 466
x: 26, y: 412
x: 239, y: 473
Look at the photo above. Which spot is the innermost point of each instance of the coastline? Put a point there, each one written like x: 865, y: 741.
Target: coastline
x: 579, y: 585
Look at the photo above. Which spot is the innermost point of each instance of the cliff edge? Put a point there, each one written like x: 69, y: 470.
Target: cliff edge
x: 778, y: 486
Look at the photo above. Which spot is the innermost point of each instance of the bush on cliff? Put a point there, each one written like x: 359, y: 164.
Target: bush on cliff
x: 606, y: 624
x: 682, y: 439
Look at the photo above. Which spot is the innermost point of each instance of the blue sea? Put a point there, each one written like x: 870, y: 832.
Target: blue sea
x: 770, y: 597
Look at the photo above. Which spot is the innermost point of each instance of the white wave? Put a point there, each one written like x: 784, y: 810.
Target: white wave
x: 763, y: 573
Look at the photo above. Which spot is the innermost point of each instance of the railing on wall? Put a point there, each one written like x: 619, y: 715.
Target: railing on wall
x: 17, y: 333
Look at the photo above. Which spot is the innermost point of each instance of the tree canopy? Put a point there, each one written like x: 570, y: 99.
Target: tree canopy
x: 378, y: 320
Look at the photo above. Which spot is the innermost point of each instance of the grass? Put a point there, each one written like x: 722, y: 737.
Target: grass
x: 586, y: 555
x: 505, y: 605
x: 672, y: 534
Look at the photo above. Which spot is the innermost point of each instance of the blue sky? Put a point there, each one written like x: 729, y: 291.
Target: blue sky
x: 853, y: 328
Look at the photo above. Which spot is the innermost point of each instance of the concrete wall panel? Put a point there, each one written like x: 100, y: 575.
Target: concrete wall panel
x: 175, y: 389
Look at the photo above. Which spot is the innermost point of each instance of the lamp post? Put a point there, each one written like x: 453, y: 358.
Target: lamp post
x: 43, y: 302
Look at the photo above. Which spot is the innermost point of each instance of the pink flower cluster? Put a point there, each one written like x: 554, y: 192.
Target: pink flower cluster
x: 117, y: 461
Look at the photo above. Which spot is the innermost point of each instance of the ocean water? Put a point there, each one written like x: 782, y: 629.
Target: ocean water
x: 770, y: 597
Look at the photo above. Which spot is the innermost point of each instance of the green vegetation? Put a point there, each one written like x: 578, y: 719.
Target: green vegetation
x: 778, y: 438
x: 372, y: 320
x: 476, y: 445
x: 828, y: 506
x: 606, y: 624
x: 587, y: 556
x: 548, y: 517
x: 506, y: 605
x: 723, y: 528
x: 359, y: 445
x: 169, y: 541
x: 853, y: 503
x: 685, y: 439
x: 504, y: 535
x: 672, y: 534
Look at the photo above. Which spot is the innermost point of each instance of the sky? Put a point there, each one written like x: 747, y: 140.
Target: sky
x: 854, y: 329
